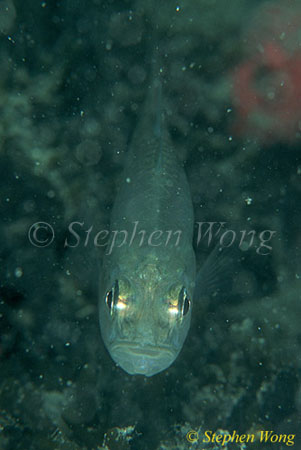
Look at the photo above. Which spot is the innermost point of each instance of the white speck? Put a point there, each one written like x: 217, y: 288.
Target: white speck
x: 43, y: 4
x: 229, y: 110
x: 82, y: 113
x: 248, y: 200
x: 178, y: 8
x: 128, y: 180
x: 210, y: 130
x: 230, y: 138
x: 51, y: 194
x: 67, y: 344
x: 7, y: 199
x: 109, y: 45
x: 18, y: 272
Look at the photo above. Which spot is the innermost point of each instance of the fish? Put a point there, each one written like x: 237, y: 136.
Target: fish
x: 147, y: 281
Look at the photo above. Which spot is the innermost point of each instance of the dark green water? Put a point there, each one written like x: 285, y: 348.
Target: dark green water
x: 73, y: 80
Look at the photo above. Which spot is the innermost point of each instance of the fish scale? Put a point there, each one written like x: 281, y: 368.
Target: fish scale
x: 145, y: 179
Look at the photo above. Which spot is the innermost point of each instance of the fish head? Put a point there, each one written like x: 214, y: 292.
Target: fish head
x: 144, y: 320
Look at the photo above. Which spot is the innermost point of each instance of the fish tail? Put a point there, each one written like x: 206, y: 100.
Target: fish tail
x: 155, y: 102
x: 153, y: 111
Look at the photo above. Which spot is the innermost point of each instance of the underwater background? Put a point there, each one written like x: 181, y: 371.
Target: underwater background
x: 73, y: 80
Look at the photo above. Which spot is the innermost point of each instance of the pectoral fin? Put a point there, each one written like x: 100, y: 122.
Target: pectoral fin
x: 216, y: 277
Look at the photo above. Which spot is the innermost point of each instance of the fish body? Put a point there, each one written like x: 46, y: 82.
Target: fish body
x: 147, y: 280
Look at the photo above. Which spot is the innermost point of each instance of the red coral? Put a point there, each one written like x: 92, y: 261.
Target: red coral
x: 267, y: 88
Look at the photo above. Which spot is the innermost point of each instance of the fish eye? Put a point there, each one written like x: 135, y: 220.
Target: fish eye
x: 184, y: 301
x: 179, y: 302
x: 118, y: 298
x: 112, y: 297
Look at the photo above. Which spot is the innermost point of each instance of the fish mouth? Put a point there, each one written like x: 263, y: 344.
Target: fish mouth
x: 150, y: 350
x: 145, y: 360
